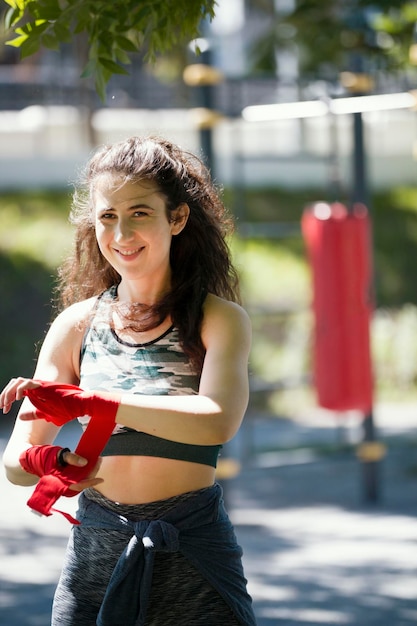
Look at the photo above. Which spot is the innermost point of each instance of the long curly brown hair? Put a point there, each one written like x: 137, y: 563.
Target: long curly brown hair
x: 200, y: 257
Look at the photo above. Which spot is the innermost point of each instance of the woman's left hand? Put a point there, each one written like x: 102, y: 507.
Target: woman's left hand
x: 14, y: 391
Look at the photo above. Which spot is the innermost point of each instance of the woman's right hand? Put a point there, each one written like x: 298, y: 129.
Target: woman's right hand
x: 14, y: 391
x: 72, y: 458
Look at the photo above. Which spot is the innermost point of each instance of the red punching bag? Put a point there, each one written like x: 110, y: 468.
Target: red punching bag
x: 338, y: 247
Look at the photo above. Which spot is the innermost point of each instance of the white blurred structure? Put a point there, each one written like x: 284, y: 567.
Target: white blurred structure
x: 45, y: 147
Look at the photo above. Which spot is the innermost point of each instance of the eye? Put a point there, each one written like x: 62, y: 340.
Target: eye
x: 139, y: 213
x: 106, y: 216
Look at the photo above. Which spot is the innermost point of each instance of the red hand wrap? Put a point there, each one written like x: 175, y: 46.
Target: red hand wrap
x: 40, y: 460
x: 55, y: 479
x: 60, y: 404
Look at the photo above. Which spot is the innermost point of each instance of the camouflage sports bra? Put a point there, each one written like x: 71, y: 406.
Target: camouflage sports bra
x: 158, y: 367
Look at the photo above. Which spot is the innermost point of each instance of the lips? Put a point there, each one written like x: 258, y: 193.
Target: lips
x: 128, y: 253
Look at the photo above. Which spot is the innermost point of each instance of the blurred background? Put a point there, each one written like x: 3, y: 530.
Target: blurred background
x: 236, y: 104
x: 263, y: 53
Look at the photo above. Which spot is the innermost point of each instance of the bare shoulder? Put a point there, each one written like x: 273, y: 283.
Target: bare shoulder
x: 75, y: 317
x: 68, y: 328
x: 214, y: 305
x: 225, y: 318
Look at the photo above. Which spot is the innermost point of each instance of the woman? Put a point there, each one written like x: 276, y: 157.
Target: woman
x: 152, y: 332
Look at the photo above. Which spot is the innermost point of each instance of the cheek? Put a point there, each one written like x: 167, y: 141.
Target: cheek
x: 101, y: 236
x: 100, y: 230
x: 158, y: 233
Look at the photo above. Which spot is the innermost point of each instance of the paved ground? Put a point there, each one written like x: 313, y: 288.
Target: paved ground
x: 316, y: 552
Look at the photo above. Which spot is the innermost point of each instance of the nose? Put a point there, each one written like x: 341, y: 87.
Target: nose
x: 124, y: 232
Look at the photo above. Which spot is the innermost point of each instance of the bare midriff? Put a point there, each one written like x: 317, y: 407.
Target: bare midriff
x: 142, y: 479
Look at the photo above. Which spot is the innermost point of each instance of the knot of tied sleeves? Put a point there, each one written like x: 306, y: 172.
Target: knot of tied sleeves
x: 159, y: 535
x: 131, y: 580
x: 60, y: 403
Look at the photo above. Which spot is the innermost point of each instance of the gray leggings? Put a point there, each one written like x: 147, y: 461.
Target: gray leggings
x: 180, y: 594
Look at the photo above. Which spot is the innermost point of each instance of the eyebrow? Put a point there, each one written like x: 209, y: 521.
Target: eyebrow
x: 134, y: 207
x: 140, y: 205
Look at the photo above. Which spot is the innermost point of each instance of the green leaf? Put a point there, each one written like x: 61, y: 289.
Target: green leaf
x: 141, y: 15
x: 50, y: 41
x: 18, y: 41
x: 126, y: 44
x: 62, y: 32
x: 11, y: 17
x: 112, y: 67
x: 102, y: 77
x: 82, y: 24
x: 121, y: 56
x: 89, y: 68
x: 30, y: 46
x: 39, y: 26
x: 52, y: 10
x: 16, y: 4
x: 410, y: 12
x: 113, y: 30
x: 33, y: 9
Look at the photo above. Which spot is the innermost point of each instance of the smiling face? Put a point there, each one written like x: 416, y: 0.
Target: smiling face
x: 134, y: 233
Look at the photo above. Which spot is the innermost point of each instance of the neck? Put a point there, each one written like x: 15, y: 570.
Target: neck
x: 130, y: 291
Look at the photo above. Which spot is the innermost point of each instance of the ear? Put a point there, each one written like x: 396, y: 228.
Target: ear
x: 179, y: 218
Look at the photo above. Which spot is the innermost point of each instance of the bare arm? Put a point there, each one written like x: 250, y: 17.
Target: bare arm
x: 58, y: 360
x: 215, y: 414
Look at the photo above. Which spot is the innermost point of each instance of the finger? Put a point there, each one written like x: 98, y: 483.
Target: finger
x: 26, y: 383
x: 14, y: 391
x: 28, y: 417
x: 4, y: 402
x: 74, y: 459
x: 8, y: 395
